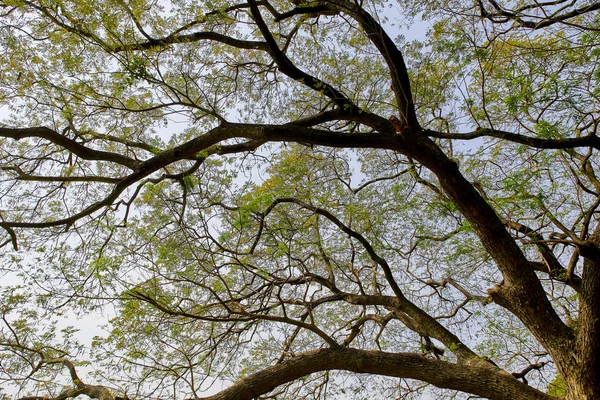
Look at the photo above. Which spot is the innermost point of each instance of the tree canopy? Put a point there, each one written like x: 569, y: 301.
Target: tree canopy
x: 300, y: 199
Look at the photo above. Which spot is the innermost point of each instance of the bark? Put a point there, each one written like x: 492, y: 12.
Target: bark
x: 521, y: 292
x: 476, y: 380
x: 584, y: 379
x: 394, y: 60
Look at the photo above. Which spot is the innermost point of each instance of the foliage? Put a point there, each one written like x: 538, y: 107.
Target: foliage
x: 274, y: 197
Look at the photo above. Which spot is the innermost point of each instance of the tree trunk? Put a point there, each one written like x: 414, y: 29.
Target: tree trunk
x: 584, y: 379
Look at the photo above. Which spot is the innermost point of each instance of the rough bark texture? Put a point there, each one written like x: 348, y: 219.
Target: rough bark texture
x: 521, y: 292
x: 480, y: 381
x: 584, y: 378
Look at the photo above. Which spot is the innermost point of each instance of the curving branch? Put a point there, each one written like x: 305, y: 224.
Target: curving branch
x: 400, y: 81
x: 484, y: 300
x: 531, y: 367
x: 484, y: 382
x: 98, y: 392
x: 191, y: 38
x: 195, y: 149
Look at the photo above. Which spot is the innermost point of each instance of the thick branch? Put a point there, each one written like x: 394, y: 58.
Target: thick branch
x: 199, y: 147
x: 394, y: 60
x: 70, y: 366
x: 521, y: 374
x: 521, y: 292
x: 194, y: 37
x: 480, y: 381
x: 319, y: 9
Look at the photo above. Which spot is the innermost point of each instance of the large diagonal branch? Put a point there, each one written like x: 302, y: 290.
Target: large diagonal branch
x: 191, y: 38
x: 393, y: 58
x: 476, y: 380
x: 521, y: 292
x: 286, y: 66
x: 420, y: 322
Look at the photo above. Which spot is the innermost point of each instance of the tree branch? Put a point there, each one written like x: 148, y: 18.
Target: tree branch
x: 543, y: 22
x: 68, y: 144
x: 520, y: 281
x: 191, y: 38
x: 406, y: 311
x: 289, y: 68
x: 538, y: 143
x: 394, y: 60
x: 552, y: 265
x: 480, y: 381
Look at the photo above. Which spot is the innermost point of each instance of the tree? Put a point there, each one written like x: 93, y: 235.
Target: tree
x: 278, y: 197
